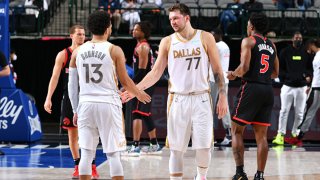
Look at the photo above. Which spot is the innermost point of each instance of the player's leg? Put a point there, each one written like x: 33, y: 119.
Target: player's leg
x: 286, y: 97
x: 262, y: 149
x: 238, y: 149
x: 226, y: 122
x: 154, y: 147
x: 116, y: 169
x: 203, y: 159
x: 300, y: 97
x: 176, y: 165
x: 87, y: 156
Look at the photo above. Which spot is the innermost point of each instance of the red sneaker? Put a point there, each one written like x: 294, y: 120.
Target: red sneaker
x: 75, y: 174
x: 293, y: 141
x: 95, y: 174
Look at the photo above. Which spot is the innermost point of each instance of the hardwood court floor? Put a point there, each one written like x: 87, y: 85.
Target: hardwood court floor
x: 284, y: 163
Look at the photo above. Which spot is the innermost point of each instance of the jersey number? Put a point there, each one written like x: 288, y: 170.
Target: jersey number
x: 265, y: 63
x: 191, y: 59
x: 96, y: 71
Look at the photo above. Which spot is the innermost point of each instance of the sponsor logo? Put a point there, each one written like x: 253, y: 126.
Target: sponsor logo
x: 9, y: 110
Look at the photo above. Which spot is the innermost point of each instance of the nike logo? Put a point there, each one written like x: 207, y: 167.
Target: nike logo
x: 204, y: 101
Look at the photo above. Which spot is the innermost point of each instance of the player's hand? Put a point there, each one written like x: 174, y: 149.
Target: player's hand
x: 75, y: 119
x: 47, y: 106
x: 230, y: 75
x: 143, y: 97
x: 222, y: 105
x: 126, y: 96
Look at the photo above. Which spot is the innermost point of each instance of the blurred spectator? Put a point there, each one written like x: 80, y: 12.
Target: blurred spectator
x: 304, y: 4
x: 13, y: 57
x: 284, y: 4
x: 130, y: 14
x: 253, y: 5
x: 295, y: 73
x: 230, y: 15
x: 113, y: 7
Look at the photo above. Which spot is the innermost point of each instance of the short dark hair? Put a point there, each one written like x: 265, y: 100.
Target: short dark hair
x: 297, y: 32
x: 73, y: 28
x: 98, y: 22
x: 259, y: 21
x: 315, y: 42
x: 184, y: 9
x: 145, y: 27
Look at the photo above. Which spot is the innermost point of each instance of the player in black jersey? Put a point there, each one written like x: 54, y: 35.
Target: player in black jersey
x: 142, y: 64
x: 259, y: 64
x: 61, y: 67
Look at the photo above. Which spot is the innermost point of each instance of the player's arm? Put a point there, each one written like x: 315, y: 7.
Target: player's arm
x: 73, y: 86
x: 161, y: 63
x: 5, y: 71
x: 212, y: 50
x: 118, y: 57
x: 246, y: 46
x: 54, y: 79
x: 143, y: 52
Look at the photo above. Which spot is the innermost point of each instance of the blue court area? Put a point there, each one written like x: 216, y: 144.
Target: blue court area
x: 42, y: 157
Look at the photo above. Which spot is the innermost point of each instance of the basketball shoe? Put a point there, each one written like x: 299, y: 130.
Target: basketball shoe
x: 240, y: 176
x: 151, y: 150
x: 95, y: 174
x: 75, y: 174
x: 279, y: 139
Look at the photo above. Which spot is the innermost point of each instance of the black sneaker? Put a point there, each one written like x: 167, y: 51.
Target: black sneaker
x: 258, y: 178
x: 240, y: 176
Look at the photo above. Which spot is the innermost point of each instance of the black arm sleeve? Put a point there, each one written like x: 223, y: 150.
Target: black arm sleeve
x: 139, y: 75
x: 3, y: 61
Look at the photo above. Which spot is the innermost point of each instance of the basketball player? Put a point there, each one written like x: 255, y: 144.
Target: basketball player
x: 142, y: 63
x: 259, y: 63
x: 61, y: 67
x: 224, y: 54
x: 189, y: 53
x: 4, y: 71
x: 94, y: 67
x: 313, y: 101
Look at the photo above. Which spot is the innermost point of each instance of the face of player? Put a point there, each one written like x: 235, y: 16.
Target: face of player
x: 79, y: 36
x: 137, y: 32
x: 249, y: 28
x: 178, y: 21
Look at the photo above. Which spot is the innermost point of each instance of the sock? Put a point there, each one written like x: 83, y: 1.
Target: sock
x: 300, y: 136
x: 259, y: 174
x: 228, y: 133
x: 136, y: 143
x: 240, y: 169
x: 93, y: 161
x: 201, y: 173
x: 154, y: 141
x: 76, y: 161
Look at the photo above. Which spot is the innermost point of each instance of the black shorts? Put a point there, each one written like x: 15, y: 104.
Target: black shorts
x: 254, y: 104
x: 66, y: 119
x: 140, y: 110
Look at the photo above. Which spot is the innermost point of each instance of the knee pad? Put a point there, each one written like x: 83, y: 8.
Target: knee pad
x: 203, y: 157
x: 115, y: 164
x: 85, y: 162
x: 176, y: 162
x: 148, y: 122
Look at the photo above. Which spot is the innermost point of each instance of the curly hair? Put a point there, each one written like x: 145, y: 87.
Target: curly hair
x: 145, y: 27
x: 260, y: 22
x: 184, y: 9
x: 98, y: 22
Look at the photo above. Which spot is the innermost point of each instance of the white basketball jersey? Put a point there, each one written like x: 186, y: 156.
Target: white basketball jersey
x: 224, y: 54
x: 97, y: 76
x: 316, y: 70
x: 188, y: 65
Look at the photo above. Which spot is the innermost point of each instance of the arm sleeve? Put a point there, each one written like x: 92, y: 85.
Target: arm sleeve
x: 73, y: 88
x: 139, y: 75
x: 3, y: 61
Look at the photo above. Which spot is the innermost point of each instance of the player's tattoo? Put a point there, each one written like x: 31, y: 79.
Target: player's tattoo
x: 237, y: 156
x: 219, y: 79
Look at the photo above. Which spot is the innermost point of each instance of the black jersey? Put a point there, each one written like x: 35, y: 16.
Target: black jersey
x: 136, y: 58
x: 263, y: 55
x: 65, y: 68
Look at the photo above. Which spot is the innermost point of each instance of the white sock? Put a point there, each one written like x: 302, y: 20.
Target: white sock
x: 201, y: 173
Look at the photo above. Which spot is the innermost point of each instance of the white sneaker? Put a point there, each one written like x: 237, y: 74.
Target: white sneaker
x: 226, y: 141
x: 132, y: 151
x: 151, y: 150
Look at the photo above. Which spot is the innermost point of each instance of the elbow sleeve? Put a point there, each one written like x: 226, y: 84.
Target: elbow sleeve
x: 73, y: 88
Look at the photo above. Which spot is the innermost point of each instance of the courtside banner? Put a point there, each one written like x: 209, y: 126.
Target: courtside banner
x: 19, y: 119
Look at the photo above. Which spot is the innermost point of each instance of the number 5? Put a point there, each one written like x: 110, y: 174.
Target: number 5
x: 265, y: 63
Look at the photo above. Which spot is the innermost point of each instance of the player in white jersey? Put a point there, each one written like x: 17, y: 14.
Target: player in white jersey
x: 224, y: 54
x: 94, y: 67
x: 189, y: 53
